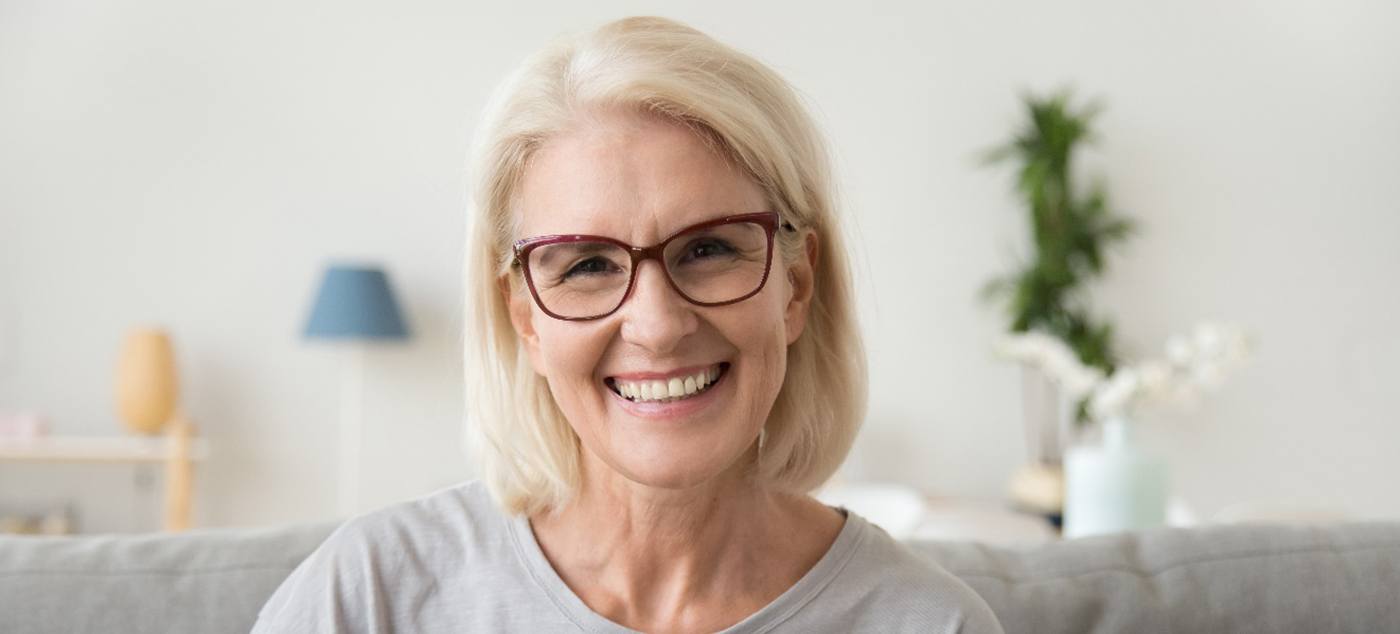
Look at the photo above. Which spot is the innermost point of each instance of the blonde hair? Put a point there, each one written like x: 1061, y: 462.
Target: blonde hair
x: 526, y: 449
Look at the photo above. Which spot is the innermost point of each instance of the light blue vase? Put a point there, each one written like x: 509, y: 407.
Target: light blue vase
x: 1115, y: 487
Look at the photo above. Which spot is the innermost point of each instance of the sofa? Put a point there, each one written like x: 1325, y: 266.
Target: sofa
x: 1248, y: 578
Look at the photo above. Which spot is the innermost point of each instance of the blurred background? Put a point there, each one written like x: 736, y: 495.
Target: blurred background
x: 196, y: 167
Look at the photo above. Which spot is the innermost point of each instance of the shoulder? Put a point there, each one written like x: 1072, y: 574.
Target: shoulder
x: 461, y: 518
x: 406, y: 552
x: 908, y: 592
x: 460, y: 512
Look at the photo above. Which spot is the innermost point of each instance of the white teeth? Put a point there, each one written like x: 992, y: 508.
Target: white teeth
x: 670, y: 389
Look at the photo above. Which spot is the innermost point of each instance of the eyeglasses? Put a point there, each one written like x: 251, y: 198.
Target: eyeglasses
x: 714, y: 263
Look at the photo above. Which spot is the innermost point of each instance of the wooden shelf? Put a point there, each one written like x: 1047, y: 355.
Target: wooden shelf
x: 178, y: 450
x: 97, y: 449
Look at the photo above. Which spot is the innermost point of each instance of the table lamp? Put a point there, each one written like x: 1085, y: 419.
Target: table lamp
x: 354, y: 305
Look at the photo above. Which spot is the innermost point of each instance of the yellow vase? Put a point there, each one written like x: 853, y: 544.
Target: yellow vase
x: 146, y: 384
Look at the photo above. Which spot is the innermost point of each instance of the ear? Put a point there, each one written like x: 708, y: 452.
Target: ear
x: 521, y: 308
x: 802, y: 279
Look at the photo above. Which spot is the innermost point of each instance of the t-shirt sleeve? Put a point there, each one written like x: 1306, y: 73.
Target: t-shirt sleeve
x: 943, y: 603
x: 978, y: 617
x: 916, y: 594
x: 338, y: 588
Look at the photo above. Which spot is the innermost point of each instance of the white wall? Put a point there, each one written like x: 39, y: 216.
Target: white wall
x: 195, y: 166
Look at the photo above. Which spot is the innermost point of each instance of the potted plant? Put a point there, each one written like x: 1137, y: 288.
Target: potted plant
x: 1071, y: 232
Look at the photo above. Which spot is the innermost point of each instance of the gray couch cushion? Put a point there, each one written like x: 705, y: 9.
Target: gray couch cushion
x: 1257, y: 578
x: 201, y: 581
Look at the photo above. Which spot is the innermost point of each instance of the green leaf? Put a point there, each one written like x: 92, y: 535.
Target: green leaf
x: 1071, y: 230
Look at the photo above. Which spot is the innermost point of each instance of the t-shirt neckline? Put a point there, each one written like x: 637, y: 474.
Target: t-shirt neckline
x: 765, y: 619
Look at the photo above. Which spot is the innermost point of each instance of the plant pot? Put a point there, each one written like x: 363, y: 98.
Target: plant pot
x: 1114, y: 487
x: 1038, y: 485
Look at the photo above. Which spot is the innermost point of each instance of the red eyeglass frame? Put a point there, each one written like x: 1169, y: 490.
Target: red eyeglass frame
x: 769, y: 220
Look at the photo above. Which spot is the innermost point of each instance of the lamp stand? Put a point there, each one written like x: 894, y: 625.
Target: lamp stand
x: 351, y: 428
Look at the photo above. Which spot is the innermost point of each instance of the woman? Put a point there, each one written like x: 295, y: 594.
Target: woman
x: 662, y: 361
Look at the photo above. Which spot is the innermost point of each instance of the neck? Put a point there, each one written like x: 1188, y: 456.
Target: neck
x: 663, y: 558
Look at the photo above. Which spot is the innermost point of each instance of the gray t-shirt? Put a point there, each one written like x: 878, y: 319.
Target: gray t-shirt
x: 453, y: 562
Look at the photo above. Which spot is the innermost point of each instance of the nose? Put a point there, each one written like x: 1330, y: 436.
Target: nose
x: 655, y: 316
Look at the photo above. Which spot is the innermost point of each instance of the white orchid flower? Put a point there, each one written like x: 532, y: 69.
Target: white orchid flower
x: 1115, y: 396
x: 1210, y: 341
x: 1156, y: 377
x: 1054, y: 358
x: 1194, y: 364
x: 1180, y: 352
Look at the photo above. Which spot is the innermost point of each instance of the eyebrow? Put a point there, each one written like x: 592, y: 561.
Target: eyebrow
x: 782, y: 224
x: 573, y: 249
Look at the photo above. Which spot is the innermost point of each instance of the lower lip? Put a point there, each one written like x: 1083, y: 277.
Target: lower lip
x: 674, y: 409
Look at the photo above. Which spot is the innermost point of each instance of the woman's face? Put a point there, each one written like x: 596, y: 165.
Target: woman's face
x: 640, y: 179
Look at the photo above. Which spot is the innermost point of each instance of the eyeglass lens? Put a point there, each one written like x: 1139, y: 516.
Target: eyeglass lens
x: 708, y: 265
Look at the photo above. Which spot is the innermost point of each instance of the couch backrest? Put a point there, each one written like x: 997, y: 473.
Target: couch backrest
x: 1247, y: 578
x: 1342, y: 578
x: 202, y: 581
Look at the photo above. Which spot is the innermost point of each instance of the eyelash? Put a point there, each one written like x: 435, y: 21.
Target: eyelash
x: 708, y: 242
x: 575, y: 268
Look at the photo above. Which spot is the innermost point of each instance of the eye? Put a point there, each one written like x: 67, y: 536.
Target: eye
x: 591, y: 266
x: 707, y: 248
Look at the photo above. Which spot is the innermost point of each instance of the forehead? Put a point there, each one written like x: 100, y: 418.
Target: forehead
x: 632, y: 177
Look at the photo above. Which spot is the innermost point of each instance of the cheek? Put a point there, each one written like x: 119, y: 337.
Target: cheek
x: 774, y: 318
x: 761, y: 337
x: 571, y: 354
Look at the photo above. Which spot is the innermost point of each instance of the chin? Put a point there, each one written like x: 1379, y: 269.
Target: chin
x: 673, y: 470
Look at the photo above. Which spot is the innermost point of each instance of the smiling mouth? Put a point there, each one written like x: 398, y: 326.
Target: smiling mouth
x: 676, y: 388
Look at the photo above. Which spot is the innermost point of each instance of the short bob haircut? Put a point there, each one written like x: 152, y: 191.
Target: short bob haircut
x: 527, y: 452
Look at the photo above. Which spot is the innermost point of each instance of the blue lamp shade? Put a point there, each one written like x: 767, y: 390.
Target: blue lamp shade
x: 355, y: 303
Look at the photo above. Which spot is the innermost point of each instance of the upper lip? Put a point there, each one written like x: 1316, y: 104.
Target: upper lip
x: 661, y: 376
